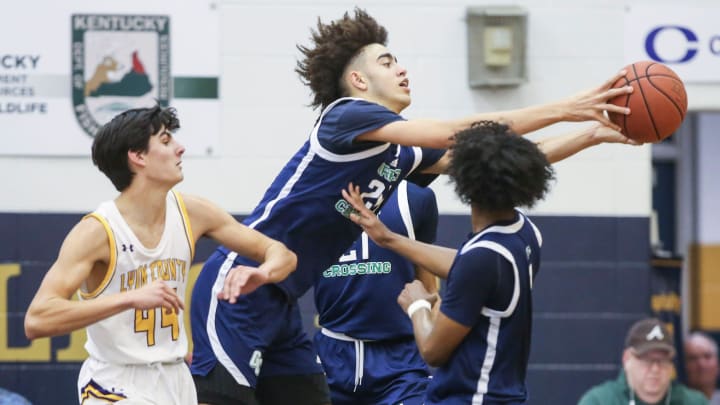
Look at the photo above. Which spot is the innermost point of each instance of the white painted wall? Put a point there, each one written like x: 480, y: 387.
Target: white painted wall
x: 572, y: 45
x: 708, y: 186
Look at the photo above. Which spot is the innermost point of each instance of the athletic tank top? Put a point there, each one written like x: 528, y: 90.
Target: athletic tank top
x: 142, y: 336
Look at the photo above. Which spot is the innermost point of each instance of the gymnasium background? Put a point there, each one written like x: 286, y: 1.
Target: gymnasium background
x: 228, y: 68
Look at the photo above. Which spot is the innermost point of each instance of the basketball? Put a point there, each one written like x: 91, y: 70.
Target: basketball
x: 657, y: 104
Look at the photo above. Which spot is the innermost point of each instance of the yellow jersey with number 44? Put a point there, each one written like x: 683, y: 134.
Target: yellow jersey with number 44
x: 142, y: 336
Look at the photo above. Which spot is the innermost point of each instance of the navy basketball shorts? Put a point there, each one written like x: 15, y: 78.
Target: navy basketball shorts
x: 260, y: 336
x: 373, y: 372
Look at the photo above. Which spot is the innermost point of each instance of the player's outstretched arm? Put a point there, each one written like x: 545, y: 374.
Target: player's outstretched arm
x: 277, y: 261
x: 53, y: 313
x: 435, y: 259
x: 561, y: 147
x: 588, y: 105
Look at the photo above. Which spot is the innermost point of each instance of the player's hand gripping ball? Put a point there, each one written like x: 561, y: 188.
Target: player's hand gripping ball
x: 658, y: 103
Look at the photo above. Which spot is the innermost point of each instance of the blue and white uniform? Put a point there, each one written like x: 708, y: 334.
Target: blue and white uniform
x: 362, y: 324
x: 489, y: 290
x: 262, y: 334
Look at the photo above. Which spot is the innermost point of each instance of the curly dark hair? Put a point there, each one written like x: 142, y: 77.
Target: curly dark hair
x: 336, y: 46
x: 128, y: 131
x: 494, y: 169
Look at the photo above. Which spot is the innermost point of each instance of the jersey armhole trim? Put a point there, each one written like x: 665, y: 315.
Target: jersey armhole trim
x: 320, y: 151
x: 186, y: 223
x: 501, y: 250
x: 110, y: 271
x: 404, y: 205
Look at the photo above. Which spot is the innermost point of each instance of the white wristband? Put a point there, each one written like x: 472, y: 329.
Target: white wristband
x: 418, y: 304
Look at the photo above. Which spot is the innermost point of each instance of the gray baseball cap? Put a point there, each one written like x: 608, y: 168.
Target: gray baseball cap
x: 650, y: 334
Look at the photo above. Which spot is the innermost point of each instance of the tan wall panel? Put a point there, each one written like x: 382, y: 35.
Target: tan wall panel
x: 705, y: 286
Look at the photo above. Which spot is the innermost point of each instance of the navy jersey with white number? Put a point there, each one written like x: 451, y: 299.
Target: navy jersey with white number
x: 357, y: 295
x: 303, y: 206
x: 489, y: 290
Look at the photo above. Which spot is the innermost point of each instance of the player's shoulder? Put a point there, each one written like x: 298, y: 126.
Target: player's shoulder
x: 201, y: 212
x: 191, y: 201
x: 357, y: 107
x: 91, y: 225
x: 89, y: 236
x: 422, y: 202
x: 413, y: 188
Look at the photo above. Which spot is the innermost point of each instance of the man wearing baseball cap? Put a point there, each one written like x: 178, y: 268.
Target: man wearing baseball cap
x: 647, y: 372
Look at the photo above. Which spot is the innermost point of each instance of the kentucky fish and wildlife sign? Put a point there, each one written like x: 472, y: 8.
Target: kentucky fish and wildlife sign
x: 118, y: 62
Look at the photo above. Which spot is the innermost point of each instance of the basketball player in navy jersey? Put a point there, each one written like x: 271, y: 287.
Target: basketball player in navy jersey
x: 366, y: 343
x: 129, y: 262
x: 256, y: 348
x: 479, y: 337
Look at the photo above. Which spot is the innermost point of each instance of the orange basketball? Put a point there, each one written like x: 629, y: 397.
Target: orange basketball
x: 657, y: 104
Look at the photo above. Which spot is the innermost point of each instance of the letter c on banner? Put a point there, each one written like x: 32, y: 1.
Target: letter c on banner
x: 689, y: 36
x: 715, y: 45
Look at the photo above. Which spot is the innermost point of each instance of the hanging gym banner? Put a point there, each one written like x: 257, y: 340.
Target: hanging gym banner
x: 681, y: 36
x: 85, y: 62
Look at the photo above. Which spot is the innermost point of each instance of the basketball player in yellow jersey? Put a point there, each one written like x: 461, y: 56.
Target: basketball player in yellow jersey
x: 130, y: 260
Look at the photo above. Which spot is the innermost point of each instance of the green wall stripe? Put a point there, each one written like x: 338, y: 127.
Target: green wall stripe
x: 195, y: 87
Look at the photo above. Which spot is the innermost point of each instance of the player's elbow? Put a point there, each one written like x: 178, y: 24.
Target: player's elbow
x: 38, y: 324
x: 293, y: 261
x: 33, y: 327
x: 434, y: 357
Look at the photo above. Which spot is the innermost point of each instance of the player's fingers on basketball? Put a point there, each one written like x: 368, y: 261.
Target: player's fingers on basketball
x: 617, y: 91
x: 609, y: 83
x: 610, y: 107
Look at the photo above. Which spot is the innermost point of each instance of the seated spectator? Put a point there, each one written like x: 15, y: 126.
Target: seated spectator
x: 647, y: 371
x: 701, y: 364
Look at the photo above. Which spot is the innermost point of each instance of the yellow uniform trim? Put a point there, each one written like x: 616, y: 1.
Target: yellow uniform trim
x: 186, y: 222
x: 91, y: 391
x: 113, y: 259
